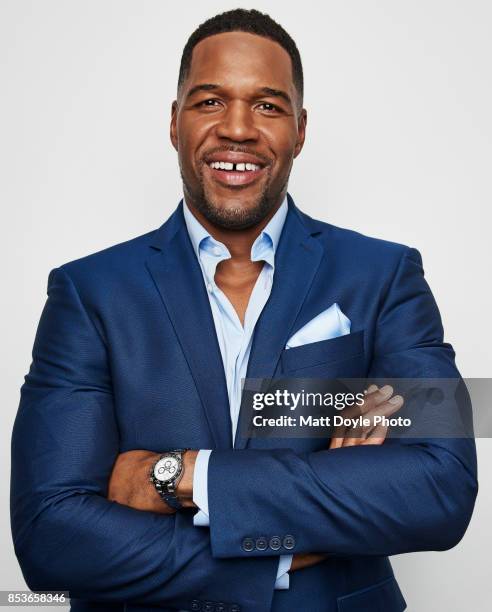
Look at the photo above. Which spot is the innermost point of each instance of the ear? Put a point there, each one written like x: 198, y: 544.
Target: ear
x: 301, y: 132
x: 173, y: 132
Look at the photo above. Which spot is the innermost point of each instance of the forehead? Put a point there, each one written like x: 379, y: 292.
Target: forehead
x: 241, y: 58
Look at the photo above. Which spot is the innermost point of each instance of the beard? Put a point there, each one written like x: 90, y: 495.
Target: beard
x: 231, y: 218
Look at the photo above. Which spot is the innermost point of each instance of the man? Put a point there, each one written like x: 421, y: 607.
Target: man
x: 140, y: 353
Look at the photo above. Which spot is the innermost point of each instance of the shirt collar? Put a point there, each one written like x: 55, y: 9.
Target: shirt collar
x: 195, y: 229
x: 264, y: 247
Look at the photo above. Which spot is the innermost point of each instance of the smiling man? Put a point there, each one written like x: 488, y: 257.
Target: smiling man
x: 132, y: 485
x: 237, y: 125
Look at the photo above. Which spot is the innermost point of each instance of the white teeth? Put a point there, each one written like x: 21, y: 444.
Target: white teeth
x: 246, y: 167
x: 240, y: 167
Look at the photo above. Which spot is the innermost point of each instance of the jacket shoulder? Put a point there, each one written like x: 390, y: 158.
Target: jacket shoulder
x: 113, y: 262
x: 362, y: 246
x: 120, y: 253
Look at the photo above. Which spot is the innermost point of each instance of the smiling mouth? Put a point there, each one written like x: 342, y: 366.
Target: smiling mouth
x: 238, y: 166
x: 231, y: 174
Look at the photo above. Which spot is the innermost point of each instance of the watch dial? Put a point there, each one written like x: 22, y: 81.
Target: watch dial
x: 166, y: 469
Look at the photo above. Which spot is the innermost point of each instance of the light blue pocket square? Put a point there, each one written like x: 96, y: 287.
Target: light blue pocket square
x: 330, y: 323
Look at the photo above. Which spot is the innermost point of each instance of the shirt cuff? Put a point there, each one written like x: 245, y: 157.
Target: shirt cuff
x: 200, y: 488
x: 283, y: 579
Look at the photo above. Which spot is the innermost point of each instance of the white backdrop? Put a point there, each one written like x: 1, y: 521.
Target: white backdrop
x: 399, y: 145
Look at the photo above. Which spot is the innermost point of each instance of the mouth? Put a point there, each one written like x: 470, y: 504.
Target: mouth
x: 232, y: 173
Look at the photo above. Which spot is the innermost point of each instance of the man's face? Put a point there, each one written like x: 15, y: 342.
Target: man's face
x: 238, y: 108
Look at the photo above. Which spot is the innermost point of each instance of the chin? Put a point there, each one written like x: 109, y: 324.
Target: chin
x: 234, y: 206
x: 235, y: 214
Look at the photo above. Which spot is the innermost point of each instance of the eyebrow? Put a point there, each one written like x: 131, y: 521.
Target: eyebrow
x: 276, y: 93
x: 202, y: 87
x: 268, y: 91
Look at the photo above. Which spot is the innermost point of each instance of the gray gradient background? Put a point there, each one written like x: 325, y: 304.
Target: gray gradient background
x: 399, y: 140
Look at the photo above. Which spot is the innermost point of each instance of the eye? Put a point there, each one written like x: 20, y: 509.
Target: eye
x: 270, y: 108
x: 208, y: 103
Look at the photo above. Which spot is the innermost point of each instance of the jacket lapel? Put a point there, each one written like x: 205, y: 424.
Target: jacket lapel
x: 179, y: 280
x: 296, y: 262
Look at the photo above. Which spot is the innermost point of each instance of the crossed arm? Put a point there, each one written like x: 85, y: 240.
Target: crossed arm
x: 365, y: 500
x: 129, y: 482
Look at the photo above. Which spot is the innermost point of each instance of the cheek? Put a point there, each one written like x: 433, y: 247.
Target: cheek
x: 193, y: 131
x: 284, y: 160
x: 191, y: 136
x: 282, y: 142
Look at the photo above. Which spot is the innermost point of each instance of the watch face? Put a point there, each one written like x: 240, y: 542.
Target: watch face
x: 166, y: 468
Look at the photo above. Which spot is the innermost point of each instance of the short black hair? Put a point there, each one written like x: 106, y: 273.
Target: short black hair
x: 242, y: 20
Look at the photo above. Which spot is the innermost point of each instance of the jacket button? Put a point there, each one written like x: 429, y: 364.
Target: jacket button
x: 248, y: 545
x: 261, y: 544
x: 208, y: 606
x: 195, y: 605
x: 275, y: 543
x: 289, y: 542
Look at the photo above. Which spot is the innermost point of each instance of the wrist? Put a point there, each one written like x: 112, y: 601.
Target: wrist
x: 184, y: 489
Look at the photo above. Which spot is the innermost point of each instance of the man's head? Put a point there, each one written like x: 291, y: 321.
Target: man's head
x: 239, y: 101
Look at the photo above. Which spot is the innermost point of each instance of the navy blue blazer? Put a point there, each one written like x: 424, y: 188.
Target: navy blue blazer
x: 126, y: 357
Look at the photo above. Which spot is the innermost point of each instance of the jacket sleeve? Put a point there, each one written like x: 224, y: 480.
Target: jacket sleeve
x: 67, y: 534
x: 405, y: 495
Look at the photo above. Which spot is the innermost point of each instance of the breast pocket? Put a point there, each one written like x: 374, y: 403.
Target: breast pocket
x: 341, y: 356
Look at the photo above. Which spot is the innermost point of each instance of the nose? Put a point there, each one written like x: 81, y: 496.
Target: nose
x: 237, y: 123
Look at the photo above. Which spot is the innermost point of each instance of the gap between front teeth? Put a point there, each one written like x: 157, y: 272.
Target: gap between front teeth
x: 241, y: 167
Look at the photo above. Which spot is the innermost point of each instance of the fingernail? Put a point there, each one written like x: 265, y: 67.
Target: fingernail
x: 372, y: 388
x: 386, y: 391
x: 396, y: 400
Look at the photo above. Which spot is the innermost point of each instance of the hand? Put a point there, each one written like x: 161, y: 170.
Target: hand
x: 303, y: 560
x: 379, y: 402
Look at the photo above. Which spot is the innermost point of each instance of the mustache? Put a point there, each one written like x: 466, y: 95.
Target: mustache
x: 267, y: 161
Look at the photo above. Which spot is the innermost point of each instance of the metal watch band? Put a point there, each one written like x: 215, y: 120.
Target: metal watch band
x: 167, y: 490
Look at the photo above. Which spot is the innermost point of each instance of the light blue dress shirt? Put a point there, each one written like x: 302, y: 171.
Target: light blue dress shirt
x: 234, y: 339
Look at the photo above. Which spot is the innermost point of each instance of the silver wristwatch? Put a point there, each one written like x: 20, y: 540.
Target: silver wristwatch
x: 166, y: 474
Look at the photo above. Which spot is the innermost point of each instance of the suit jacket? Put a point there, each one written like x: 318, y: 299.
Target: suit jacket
x: 126, y: 357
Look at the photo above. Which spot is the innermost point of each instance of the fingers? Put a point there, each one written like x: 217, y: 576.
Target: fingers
x: 339, y: 434
x: 378, y: 403
x: 337, y: 438
x: 385, y: 409
x: 377, y: 435
x: 376, y: 397
x: 303, y: 560
x: 375, y: 432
